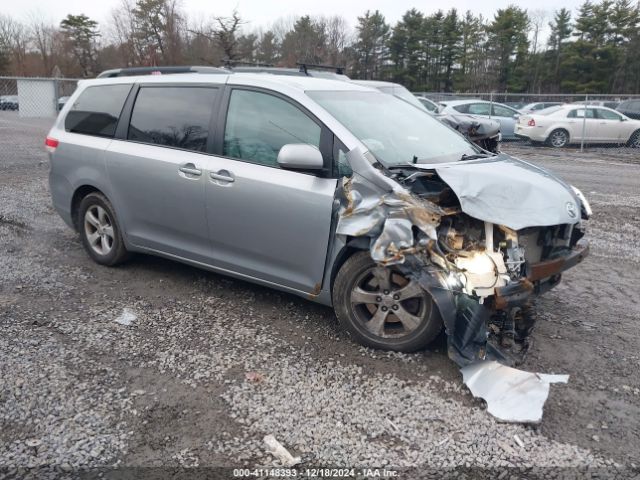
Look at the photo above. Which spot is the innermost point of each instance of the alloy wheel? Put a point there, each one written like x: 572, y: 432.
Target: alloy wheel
x: 387, y: 304
x: 558, y: 138
x: 98, y: 228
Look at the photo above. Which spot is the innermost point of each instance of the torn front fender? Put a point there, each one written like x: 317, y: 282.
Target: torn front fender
x: 377, y: 207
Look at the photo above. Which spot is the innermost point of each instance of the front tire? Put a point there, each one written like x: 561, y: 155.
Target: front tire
x: 634, y: 140
x: 380, y: 308
x: 100, y: 231
x: 558, y: 138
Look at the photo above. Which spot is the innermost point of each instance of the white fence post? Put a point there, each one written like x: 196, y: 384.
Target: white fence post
x: 584, y: 122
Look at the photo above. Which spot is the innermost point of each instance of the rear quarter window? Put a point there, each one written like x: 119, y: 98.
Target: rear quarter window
x: 97, y: 110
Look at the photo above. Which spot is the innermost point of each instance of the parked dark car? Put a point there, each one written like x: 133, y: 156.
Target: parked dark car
x: 62, y: 101
x: 9, y: 102
x: 630, y: 108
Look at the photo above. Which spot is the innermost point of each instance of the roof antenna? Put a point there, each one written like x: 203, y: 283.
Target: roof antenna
x: 415, y: 159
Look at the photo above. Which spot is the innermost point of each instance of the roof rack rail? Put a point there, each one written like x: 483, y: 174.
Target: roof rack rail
x: 304, y: 66
x: 242, y: 63
x: 132, y: 71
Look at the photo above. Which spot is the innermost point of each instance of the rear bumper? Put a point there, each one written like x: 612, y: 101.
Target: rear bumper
x: 541, y: 277
x: 525, y: 132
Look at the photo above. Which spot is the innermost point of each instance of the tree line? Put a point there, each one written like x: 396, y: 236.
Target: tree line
x: 596, y: 50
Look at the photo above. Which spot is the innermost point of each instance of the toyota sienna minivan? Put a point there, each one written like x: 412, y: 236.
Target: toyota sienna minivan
x: 329, y: 190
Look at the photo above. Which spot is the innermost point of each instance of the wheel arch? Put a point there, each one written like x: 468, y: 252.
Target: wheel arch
x: 79, y: 193
x: 352, y: 246
x: 555, y: 128
x: 634, y: 133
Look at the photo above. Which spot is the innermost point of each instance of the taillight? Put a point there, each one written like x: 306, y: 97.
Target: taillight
x: 532, y: 123
x: 51, y: 144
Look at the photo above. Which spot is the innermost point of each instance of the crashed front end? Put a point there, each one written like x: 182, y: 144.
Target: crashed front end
x: 484, y: 238
x: 484, y: 132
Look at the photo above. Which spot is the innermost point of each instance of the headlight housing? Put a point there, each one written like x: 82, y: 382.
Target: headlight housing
x: 585, y: 208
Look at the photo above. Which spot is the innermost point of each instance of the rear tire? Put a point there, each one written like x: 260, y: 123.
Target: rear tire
x: 634, y: 140
x: 558, y: 138
x: 100, y: 231
x: 380, y: 308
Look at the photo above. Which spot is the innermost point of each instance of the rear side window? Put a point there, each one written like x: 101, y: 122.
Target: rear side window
x: 96, y: 110
x: 177, y: 117
x: 580, y: 113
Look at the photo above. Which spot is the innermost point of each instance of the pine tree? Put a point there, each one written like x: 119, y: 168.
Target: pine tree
x: 81, y: 32
x: 507, y: 39
x: 370, y: 48
x: 560, y: 33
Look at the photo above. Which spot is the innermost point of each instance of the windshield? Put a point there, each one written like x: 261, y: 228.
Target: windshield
x: 404, y: 94
x: 393, y: 130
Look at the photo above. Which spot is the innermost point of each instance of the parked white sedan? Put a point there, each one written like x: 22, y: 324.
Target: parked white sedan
x: 562, y: 125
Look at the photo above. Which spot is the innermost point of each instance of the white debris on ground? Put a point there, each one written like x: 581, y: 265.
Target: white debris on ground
x: 275, y: 448
x: 126, y: 318
x: 512, y: 395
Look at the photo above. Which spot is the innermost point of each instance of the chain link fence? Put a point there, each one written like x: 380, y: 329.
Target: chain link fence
x: 32, y: 97
x: 606, y: 123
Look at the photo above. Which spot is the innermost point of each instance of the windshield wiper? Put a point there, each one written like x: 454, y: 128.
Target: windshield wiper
x: 401, y: 165
x: 475, y: 156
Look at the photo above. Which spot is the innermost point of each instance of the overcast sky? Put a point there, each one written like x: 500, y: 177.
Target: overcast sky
x: 261, y: 13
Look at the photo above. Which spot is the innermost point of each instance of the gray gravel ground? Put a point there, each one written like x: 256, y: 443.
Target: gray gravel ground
x: 211, y: 364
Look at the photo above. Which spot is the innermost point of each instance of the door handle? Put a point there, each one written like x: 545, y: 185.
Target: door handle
x: 222, y: 178
x: 190, y: 169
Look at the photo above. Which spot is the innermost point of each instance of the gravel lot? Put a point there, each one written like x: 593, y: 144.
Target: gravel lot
x: 211, y: 364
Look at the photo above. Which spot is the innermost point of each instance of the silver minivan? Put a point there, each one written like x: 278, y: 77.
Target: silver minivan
x: 326, y: 189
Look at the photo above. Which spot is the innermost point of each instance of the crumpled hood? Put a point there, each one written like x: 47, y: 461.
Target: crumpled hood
x: 510, y: 192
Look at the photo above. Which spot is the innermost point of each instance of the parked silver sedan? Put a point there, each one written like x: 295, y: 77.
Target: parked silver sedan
x: 507, y: 116
x: 325, y: 189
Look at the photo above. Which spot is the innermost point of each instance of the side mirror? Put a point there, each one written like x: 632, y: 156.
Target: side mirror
x: 623, y: 119
x: 300, y: 156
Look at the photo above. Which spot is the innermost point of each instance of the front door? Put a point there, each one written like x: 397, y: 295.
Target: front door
x: 266, y: 222
x: 582, y: 122
x: 609, y: 126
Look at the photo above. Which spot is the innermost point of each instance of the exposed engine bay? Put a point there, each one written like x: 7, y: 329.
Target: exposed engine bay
x: 483, y: 247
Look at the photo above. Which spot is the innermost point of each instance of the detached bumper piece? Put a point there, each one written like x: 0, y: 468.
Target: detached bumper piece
x: 541, y: 277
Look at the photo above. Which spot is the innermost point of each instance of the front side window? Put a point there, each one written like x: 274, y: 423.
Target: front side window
x: 259, y: 125
x: 500, y: 111
x: 175, y: 117
x: 479, y: 109
x: 464, y: 108
x: 394, y: 131
x: 97, y: 110
x: 608, y: 115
